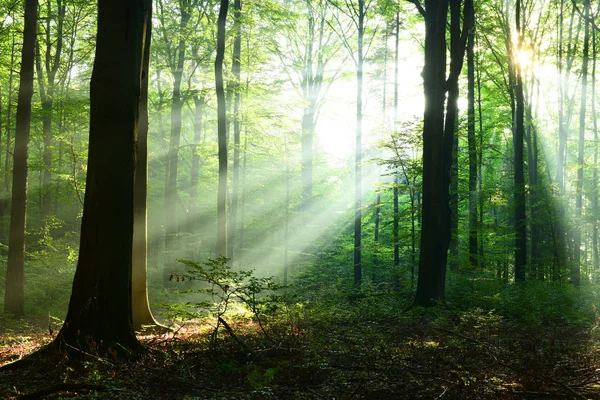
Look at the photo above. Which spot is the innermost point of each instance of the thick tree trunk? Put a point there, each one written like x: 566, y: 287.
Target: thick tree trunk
x: 438, y: 140
x: 221, y: 249
x: 100, y: 310
x: 433, y: 252
x: 14, y: 297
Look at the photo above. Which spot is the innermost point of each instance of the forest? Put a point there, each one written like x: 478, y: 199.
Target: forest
x: 299, y: 199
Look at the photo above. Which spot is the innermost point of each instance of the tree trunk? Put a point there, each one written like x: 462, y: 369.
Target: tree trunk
x: 433, y: 252
x: 575, y: 266
x: 594, y: 197
x: 473, y: 229
x: 221, y: 249
x: 7, y: 158
x: 100, y: 310
x: 171, y: 195
x: 518, y: 148
x: 142, y: 315
x: 14, y: 297
x: 46, y: 80
x: 358, y: 159
x: 438, y: 140
x: 397, y: 174
x: 236, y: 69
x: 199, y: 103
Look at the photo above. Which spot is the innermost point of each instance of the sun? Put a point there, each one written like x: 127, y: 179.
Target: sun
x: 525, y: 59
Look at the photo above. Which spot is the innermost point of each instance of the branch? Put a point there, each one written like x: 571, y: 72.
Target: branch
x: 590, y: 20
x: 419, y: 6
x: 61, y: 387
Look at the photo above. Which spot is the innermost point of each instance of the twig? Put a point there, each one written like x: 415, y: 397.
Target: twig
x: 60, y: 387
x: 232, y: 334
x: 102, y: 360
x: 517, y: 369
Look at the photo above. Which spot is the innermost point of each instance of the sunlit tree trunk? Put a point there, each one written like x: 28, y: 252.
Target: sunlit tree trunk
x: 199, y: 103
x: 576, y: 264
x: 358, y: 156
x: 236, y: 70
x: 221, y: 248
x: 142, y: 315
x: 518, y: 149
x: 100, y: 309
x: 14, y: 296
x: 171, y: 194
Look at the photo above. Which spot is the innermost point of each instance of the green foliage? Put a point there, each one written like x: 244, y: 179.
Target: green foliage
x: 227, y: 293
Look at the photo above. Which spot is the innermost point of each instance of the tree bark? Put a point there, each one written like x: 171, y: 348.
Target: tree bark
x: 438, y: 139
x: 100, y: 310
x: 576, y: 264
x: 435, y: 207
x: 236, y: 69
x: 358, y: 149
x: 473, y: 228
x: 46, y: 80
x: 221, y: 249
x: 171, y: 194
x: 14, y: 297
x: 142, y: 315
x: 518, y: 149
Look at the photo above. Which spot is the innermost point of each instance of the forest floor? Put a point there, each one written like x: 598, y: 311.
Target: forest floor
x: 425, y: 355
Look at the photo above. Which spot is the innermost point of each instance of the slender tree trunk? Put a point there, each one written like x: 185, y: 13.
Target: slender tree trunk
x: 46, y: 80
x: 195, y: 170
x: 7, y: 168
x: 171, y: 194
x: 3, y: 199
x: 14, y: 297
x: 358, y: 160
x: 576, y: 265
x: 221, y: 249
x: 453, y: 196
x: 518, y: 148
x: 142, y: 315
x: 397, y: 174
x: 594, y: 197
x: 100, y: 310
x: 236, y: 69
x: 473, y: 228
x: 377, y: 218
